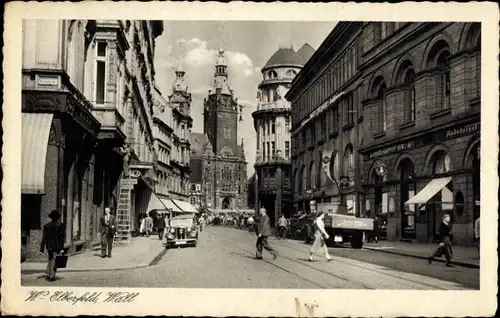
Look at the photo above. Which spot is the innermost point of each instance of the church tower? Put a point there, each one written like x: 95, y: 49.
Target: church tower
x: 228, y: 166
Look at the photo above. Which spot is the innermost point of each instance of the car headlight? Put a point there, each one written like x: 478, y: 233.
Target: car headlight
x: 172, y: 230
x: 189, y: 229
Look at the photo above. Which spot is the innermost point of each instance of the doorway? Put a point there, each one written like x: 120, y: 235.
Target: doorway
x: 407, y: 188
x: 226, y: 203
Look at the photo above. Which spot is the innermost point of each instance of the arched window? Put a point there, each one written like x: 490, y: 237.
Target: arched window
x: 272, y: 74
x: 334, y: 166
x: 441, y: 162
x: 410, y: 96
x: 348, y: 163
x: 291, y: 73
x: 378, y: 93
x: 444, y: 90
x: 312, y: 176
x: 304, y: 178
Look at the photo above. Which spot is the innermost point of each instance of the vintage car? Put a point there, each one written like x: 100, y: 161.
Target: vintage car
x: 182, y: 230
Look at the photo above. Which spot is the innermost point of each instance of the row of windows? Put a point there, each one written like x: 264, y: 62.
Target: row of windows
x: 168, y: 183
x: 268, y: 127
x: 330, y: 81
x: 273, y: 74
x: 270, y: 154
x: 314, y: 177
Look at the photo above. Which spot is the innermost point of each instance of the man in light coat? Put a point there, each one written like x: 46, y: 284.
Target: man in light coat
x: 108, y: 230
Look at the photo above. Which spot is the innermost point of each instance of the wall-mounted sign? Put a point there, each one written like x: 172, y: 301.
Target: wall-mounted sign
x: 381, y: 168
x: 430, y: 138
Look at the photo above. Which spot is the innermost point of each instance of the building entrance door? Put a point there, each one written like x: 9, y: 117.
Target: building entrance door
x: 226, y: 203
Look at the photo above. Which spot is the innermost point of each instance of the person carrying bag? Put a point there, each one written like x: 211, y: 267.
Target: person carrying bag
x: 53, y: 241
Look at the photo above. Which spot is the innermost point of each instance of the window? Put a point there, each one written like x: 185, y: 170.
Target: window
x: 323, y: 126
x: 272, y: 74
x: 410, y: 96
x: 291, y: 73
x: 350, y: 110
x: 444, y: 81
x: 268, y: 151
x: 273, y: 125
x: 381, y: 109
x: 383, y: 30
x: 287, y: 123
x: 273, y: 150
x: 268, y: 124
x: 287, y: 149
x: 100, y: 73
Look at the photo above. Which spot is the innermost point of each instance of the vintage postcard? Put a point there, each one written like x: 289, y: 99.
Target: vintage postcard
x: 250, y: 159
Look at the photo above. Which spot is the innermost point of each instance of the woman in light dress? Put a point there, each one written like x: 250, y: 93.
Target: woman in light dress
x: 320, y: 236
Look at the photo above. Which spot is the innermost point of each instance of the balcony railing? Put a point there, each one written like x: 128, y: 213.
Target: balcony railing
x: 110, y: 118
x: 259, y: 158
x: 279, y: 104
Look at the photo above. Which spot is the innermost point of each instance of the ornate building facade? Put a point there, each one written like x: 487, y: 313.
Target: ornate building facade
x: 86, y: 94
x: 218, y: 161
x: 397, y: 117
x: 272, y: 122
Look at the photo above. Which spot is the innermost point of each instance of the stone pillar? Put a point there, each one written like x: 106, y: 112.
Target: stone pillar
x: 277, y: 203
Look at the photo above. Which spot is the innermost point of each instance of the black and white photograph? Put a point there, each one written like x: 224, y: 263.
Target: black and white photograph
x: 265, y: 159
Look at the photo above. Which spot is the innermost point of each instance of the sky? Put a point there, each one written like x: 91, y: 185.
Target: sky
x: 248, y: 45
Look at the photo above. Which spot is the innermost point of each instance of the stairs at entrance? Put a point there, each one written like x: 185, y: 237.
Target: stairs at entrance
x: 123, y: 210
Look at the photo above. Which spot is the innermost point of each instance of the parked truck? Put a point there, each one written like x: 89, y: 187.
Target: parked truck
x: 341, y: 226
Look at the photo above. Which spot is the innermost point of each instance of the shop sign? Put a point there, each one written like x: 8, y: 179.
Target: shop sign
x: 439, y: 136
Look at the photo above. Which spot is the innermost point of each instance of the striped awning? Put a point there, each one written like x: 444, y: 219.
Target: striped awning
x: 155, y: 203
x: 185, y: 206
x: 35, y: 130
x: 170, y: 205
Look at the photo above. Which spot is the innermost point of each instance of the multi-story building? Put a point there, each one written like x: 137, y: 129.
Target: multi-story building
x: 218, y: 161
x: 180, y: 101
x: 413, y: 122
x: 172, y: 124
x: 86, y: 91
x: 325, y: 121
x: 272, y: 122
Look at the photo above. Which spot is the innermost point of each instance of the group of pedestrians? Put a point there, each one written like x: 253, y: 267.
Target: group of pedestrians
x: 53, y: 236
x: 264, y: 231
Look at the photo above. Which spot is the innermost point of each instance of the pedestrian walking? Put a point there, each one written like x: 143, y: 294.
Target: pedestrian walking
x: 263, y: 232
x: 201, y: 221
x: 142, y: 226
x: 320, y: 237
x: 108, y: 230
x: 281, y: 227
x: 53, y: 241
x: 250, y: 223
x: 477, y: 236
x: 160, y: 225
x: 445, y: 238
x: 149, y: 225
x: 376, y: 229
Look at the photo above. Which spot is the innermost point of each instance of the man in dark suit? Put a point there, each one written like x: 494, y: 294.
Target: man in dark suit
x: 108, y: 230
x: 160, y: 226
x: 53, y: 241
x: 263, y: 232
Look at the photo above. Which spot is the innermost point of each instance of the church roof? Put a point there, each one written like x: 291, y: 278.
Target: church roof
x: 284, y: 56
x: 305, y: 53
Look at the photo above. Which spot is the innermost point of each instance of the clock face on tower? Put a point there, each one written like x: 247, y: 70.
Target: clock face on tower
x: 227, y: 132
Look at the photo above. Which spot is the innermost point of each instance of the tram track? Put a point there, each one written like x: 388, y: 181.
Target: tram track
x: 352, y: 264
x: 361, y: 285
x: 368, y: 269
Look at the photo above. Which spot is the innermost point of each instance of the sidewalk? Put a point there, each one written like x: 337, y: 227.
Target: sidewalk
x: 462, y: 255
x: 142, y: 252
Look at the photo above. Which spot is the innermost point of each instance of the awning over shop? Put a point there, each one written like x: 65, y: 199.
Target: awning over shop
x: 243, y: 211
x: 35, y: 130
x: 170, y: 205
x: 221, y: 210
x: 155, y: 203
x: 185, y: 206
x: 430, y: 190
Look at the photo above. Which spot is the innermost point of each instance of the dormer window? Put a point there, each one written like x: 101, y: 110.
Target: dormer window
x: 272, y: 74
